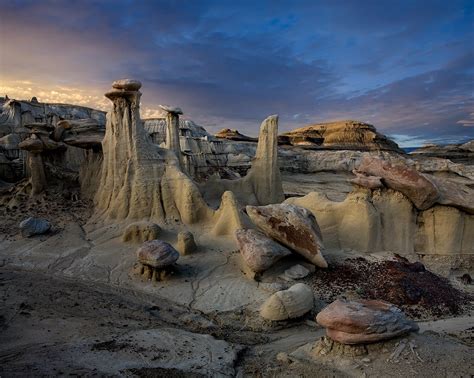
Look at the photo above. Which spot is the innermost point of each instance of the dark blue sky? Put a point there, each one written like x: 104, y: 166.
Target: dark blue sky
x: 405, y: 66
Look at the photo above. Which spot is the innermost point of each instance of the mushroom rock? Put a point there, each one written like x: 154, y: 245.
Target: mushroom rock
x: 421, y: 191
x: 258, y: 251
x: 293, y: 226
x: 156, y: 258
x: 364, y: 321
x: 288, y: 304
x: 34, y: 226
x: 172, y: 131
x: 139, y: 232
x: 186, y: 244
x: 35, y: 146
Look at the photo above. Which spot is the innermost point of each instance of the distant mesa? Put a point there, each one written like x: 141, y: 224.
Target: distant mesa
x: 458, y: 153
x: 232, y: 134
x: 339, y: 135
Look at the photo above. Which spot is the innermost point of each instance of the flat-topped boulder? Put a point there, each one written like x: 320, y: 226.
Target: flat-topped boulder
x: 364, y: 321
x: 157, y: 254
x: 127, y: 84
x: 293, y: 226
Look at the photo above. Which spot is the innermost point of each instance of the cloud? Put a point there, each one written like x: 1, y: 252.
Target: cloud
x: 403, y: 66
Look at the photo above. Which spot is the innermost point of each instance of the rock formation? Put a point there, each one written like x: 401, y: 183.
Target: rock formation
x: 34, y: 226
x: 258, y: 251
x: 422, y: 192
x: 342, y: 135
x: 364, y: 321
x: 156, y: 258
x: 293, y: 226
x: 288, y: 304
x: 234, y: 135
x: 457, y: 153
x: 139, y: 232
x: 186, y: 244
x: 172, y: 131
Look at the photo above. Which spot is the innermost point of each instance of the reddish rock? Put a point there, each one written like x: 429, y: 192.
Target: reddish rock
x: 157, y: 254
x: 258, y: 251
x: 293, y: 226
x: 370, y: 182
x: 421, y: 191
x: 364, y: 321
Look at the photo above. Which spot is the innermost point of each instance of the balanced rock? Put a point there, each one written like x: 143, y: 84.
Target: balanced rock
x: 259, y: 252
x: 140, y: 232
x: 364, y: 321
x: 288, y: 304
x: 127, y: 84
x: 293, y: 226
x: 34, y: 226
x: 157, y: 254
x: 186, y: 243
x: 421, y: 191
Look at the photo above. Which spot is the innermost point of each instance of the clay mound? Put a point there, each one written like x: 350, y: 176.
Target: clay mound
x: 234, y: 135
x: 349, y: 135
x: 417, y: 291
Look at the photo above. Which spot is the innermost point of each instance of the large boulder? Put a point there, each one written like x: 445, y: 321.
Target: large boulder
x: 364, y: 321
x: 293, y: 226
x: 34, y: 226
x: 288, y: 304
x: 259, y: 252
x: 157, y: 254
x: 407, y: 180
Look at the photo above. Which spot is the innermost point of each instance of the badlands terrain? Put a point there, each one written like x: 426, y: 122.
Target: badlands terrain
x: 133, y: 247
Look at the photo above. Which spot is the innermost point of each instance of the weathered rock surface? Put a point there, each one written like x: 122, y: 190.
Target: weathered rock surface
x: 296, y: 272
x: 347, y: 135
x: 139, y: 232
x: 288, y: 304
x: 127, y: 84
x: 34, y: 226
x: 234, y: 135
x: 457, y: 153
x: 157, y: 254
x: 422, y: 192
x: 370, y: 182
x: 186, y: 244
x: 293, y: 226
x: 364, y: 321
x: 258, y: 251
x: 454, y: 194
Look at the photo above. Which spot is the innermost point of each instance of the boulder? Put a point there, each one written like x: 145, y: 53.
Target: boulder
x: 296, y: 272
x: 140, y: 232
x: 454, y: 193
x: 364, y: 321
x: 157, y: 254
x: 34, y: 226
x: 293, y: 226
x: 259, y: 252
x: 288, y: 304
x: 186, y: 244
x: 407, y: 180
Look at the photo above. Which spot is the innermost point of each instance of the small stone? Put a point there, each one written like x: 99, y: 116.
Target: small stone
x: 283, y: 357
x: 366, y: 360
x: 34, y: 226
x: 296, y: 272
x: 288, y: 304
x: 186, y: 244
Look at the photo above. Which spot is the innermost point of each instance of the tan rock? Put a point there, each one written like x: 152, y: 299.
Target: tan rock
x: 421, y: 191
x: 288, y: 304
x: 363, y: 321
x: 186, y: 244
x: 140, y: 232
x: 293, y: 226
x: 259, y: 252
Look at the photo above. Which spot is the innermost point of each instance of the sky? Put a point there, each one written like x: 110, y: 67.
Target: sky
x: 406, y: 67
